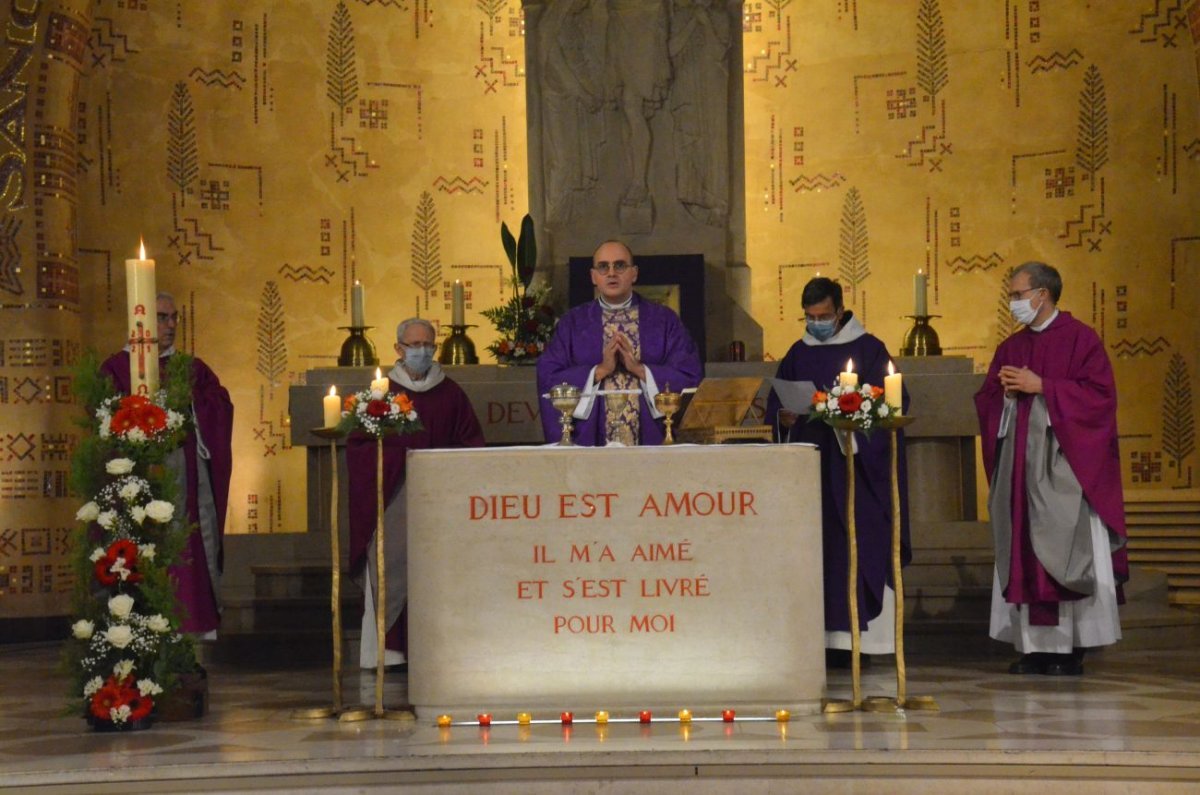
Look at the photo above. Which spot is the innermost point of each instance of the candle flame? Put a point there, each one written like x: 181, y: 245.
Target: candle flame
x: 849, y: 365
x: 141, y: 248
x: 378, y: 374
x: 333, y: 391
x: 920, y: 272
x: 891, y: 369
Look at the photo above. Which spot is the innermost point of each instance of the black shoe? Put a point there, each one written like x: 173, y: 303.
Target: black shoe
x: 398, y: 668
x: 1034, y: 663
x: 1065, y: 664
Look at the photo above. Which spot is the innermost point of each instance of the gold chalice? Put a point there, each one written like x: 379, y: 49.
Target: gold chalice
x: 668, y: 403
x: 564, y: 398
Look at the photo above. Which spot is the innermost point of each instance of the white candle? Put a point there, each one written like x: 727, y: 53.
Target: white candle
x: 920, y: 297
x: 893, y: 389
x: 142, y: 336
x: 332, y: 408
x: 356, y: 305
x: 456, y: 311
x: 849, y: 378
x: 379, y: 383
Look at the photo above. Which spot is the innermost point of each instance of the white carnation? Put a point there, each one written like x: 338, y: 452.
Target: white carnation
x: 97, y: 553
x: 158, y: 623
x: 135, y: 435
x: 88, y: 512
x: 104, y: 430
x: 160, y: 511
x: 884, y: 409
x: 119, y: 635
x: 866, y: 405
x: 412, y: 415
x: 119, y: 714
x: 123, y: 669
x: 92, y: 686
x: 107, y: 519
x: 83, y: 629
x: 138, y: 513
x: 121, y: 605
x: 174, y: 419
x: 130, y: 490
x: 147, y: 687
x: 146, y: 551
x: 119, y: 466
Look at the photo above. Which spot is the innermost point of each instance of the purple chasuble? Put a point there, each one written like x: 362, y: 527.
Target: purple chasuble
x: 214, y: 417
x: 578, y: 346
x: 1081, y: 399
x: 872, y: 480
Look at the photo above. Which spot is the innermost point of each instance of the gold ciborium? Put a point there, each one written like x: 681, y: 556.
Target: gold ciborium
x: 564, y: 398
x: 668, y: 403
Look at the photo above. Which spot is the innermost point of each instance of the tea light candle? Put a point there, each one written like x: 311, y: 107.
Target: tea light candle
x: 782, y: 715
x: 849, y: 378
x: 456, y: 307
x: 485, y: 719
x: 567, y: 718
x: 379, y: 383
x: 728, y: 715
x: 444, y: 720
x: 524, y: 718
x: 356, y: 305
x: 331, y: 406
x: 601, y: 717
x: 685, y: 716
x: 644, y: 716
x: 920, y: 297
x: 893, y: 391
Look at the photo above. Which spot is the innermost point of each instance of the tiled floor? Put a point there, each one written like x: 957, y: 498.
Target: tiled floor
x: 1131, y: 724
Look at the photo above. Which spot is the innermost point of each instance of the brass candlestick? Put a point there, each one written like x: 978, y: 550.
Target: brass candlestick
x: 357, y: 350
x: 667, y: 402
x: 845, y: 431
x: 565, y: 398
x: 335, y: 587
x: 921, y: 339
x: 458, y: 348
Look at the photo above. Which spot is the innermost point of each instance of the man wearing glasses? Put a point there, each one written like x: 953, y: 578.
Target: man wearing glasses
x: 203, y: 463
x: 1048, y: 424
x: 449, y: 421
x: 619, y: 342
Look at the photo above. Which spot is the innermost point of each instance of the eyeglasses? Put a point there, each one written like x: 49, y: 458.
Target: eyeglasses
x: 1016, y: 294
x: 164, y: 317
x: 429, y: 346
x: 620, y: 266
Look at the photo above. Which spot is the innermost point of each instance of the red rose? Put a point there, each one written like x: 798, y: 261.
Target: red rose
x: 378, y: 408
x: 850, y: 402
x: 526, y: 302
x: 530, y: 325
x: 546, y: 310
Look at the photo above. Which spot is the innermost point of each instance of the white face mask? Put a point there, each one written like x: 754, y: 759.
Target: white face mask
x: 1023, y: 311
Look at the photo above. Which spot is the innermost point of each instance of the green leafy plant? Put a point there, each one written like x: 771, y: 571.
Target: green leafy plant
x: 526, y: 320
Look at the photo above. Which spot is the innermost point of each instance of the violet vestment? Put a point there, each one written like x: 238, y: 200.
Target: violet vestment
x: 665, y: 348
x: 1037, y: 520
x: 207, y: 451
x: 821, y: 362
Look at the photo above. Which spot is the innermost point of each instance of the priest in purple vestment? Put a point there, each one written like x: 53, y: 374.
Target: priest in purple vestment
x: 832, y: 336
x: 203, y: 464
x: 1048, y: 425
x: 449, y: 421
x: 620, y: 343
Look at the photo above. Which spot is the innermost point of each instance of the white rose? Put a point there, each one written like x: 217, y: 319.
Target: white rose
x: 158, y: 623
x: 123, y: 669
x: 97, y: 553
x: 412, y: 415
x: 831, y: 406
x: 107, y: 519
x: 130, y: 490
x: 119, y: 635
x: 866, y: 405
x: 119, y: 466
x: 146, y: 551
x: 148, y: 687
x: 88, y: 512
x: 160, y: 511
x: 121, y: 605
x: 83, y: 629
x: 884, y: 409
x: 138, y: 513
x: 92, y: 686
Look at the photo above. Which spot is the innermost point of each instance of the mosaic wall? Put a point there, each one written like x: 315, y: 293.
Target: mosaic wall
x: 272, y: 152
x: 964, y: 138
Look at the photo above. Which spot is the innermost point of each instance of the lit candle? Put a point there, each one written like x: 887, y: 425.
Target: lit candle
x: 356, y: 305
x: 602, y: 717
x: 142, y: 338
x: 484, y: 718
x: 893, y: 393
x: 567, y: 718
x: 379, y: 383
x: 782, y: 715
x: 332, y: 406
x: 456, y: 308
x: 849, y: 378
x: 524, y: 718
x: 728, y: 715
x: 444, y: 720
x: 920, y: 299
x: 685, y: 716
x: 644, y: 716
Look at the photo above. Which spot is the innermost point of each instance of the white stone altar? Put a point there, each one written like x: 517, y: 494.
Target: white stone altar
x: 555, y: 579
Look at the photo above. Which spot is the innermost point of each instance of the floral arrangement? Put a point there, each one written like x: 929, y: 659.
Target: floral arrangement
x: 125, y: 650
x: 526, y: 320
x: 862, y: 406
x: 378, y: 413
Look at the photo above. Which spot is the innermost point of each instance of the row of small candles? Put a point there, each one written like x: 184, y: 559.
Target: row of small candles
x: 893, y: 391
x: 603, y: 718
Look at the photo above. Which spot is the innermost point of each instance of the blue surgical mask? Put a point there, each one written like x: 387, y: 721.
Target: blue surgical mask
x: 417, y: 359
x: 821, y: 330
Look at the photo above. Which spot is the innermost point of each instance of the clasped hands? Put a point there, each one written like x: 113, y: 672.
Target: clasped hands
x: 1019, y: 379
x: 619, y: 353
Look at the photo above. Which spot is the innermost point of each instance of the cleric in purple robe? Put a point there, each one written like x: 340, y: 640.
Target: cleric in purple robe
x: 1048, y: 425
x: 205, y: 462
x: 448, y: 420
x: 832, y: 337
x: 617, y: 342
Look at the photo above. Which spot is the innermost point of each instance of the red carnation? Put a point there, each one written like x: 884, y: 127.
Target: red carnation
x: 850, y: 402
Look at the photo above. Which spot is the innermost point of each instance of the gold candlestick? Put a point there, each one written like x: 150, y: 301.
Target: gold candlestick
x: 921, y: 339
x: 458, y: 347
x: 845, y: 430
x: 357, y: 349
